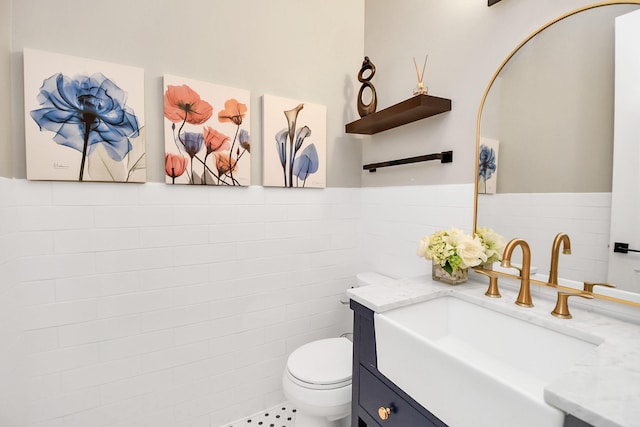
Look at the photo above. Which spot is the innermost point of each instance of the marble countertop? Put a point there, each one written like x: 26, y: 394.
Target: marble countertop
x: 602, y: 390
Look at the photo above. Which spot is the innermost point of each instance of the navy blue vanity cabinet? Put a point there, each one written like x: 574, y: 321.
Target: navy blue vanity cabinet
x: 571, y: 421
x: 372, y: 391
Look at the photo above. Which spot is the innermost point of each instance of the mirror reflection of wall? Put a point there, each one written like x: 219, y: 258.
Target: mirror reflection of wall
x: 551, y: 108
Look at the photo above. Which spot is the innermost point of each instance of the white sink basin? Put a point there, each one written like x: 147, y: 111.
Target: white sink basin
x: 472, y: 366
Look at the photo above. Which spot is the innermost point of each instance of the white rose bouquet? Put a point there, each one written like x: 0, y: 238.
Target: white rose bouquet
x: 453, y: 250
x: 492, y: 242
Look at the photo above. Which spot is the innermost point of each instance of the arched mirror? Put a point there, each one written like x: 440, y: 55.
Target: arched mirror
x: 547, y: 116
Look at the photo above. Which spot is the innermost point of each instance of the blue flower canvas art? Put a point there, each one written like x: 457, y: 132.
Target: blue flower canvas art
x: 487, y: 166
x: 294, y: 143
x: 84, y: 119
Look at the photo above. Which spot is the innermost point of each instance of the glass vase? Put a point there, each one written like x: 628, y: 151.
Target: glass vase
x: 487, y: 266
x: 455, y: 278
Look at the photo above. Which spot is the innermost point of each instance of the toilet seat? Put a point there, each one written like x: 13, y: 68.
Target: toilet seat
x: 321, y: 365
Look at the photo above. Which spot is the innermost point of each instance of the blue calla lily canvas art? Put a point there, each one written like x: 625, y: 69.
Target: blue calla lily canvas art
x: 294, y: 143
x: 84, y: 119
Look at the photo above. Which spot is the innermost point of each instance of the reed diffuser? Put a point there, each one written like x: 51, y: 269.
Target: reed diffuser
x: 421, y: 89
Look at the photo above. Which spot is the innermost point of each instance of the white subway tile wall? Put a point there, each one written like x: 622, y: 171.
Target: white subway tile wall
x: 585, y: 217
x: 154, y: 305
x: 394, y: 219
x: 12, y: 384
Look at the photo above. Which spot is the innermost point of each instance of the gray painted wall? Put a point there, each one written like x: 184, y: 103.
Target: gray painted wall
x: 5, y: 88
x: 466, y: 42
x: 305, y: 50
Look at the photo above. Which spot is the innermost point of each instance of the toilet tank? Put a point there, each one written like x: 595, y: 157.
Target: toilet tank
x: 362, y: 279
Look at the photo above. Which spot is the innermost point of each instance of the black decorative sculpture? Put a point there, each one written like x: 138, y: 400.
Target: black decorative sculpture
x: 365, y: 109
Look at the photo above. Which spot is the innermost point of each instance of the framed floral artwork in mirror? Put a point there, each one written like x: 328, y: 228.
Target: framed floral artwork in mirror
x: 488, y: 165
x: 206, y: 128
x: 84, y: 119
x: 295, y: 141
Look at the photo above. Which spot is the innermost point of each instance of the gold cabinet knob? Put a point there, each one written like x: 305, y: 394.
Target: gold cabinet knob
x: 384, y: 413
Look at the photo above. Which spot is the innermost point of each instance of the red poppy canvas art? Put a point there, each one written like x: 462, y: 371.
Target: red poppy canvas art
x: 206, y: 129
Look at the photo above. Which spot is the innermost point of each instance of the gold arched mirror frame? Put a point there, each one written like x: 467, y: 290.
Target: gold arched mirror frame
x: 478, y: 125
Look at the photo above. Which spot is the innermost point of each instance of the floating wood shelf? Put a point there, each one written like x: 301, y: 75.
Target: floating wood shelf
x: 415, y: 108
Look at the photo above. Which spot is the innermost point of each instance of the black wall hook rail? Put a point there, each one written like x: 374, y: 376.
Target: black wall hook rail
x: 444, y: 157
x: 623, y: 248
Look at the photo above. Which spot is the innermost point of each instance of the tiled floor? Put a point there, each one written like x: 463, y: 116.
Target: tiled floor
x: 279, y: 416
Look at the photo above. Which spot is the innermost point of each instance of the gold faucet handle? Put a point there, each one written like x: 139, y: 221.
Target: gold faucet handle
x: 562, y: 305
x: 588, y: 286
x: 492, y: 291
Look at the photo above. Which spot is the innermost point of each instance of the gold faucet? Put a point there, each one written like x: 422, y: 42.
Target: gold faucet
x: 561, y: 309
x: 524, y: 296
x: 561, y: 238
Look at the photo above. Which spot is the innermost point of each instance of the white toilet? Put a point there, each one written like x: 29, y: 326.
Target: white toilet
x: 317, y: 379
x: 317, y: 382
